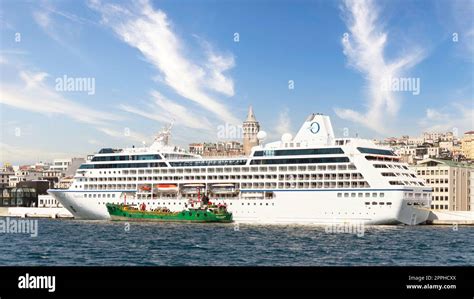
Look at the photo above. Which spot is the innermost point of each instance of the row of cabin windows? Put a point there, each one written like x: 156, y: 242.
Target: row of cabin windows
x: 99, y: 195
x: 281, y: 177
x: 122, y: 165
x: 271, y: 185
x: 305, y: 185
x: 240, y: 169
x: 361, y: 194
x: 380, y: 203
x: 126, y: 158
x: 366, y: 150
x: 390, y: 166
x: 406, y: 183
x: 208, y: 163
x: 300, y: 161
x: 392, y: 174
x: 386, y: 159
x: 299, y: 152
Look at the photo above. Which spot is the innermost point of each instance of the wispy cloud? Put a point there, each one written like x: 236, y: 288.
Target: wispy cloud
x: 284, y: 123
x: 149, y: 30
x: 364, y: 48
x: 61, y: 32
x: 33, y: 94
x: 462, y: 23
x: 21, y: 154
x: 125, y: 134
x: 455, y: 116
x: 164, y: 110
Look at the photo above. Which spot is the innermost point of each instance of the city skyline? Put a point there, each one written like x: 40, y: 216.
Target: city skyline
x: 145, y: 64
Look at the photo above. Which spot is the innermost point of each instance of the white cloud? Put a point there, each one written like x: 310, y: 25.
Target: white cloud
x: 34, y: 95
x: 20, y: 154
x: 284, y: 123
x: 126, y: 134
x: 61, y: 32
x: 42, y: 18
x: 364, y: 49
x: 458, y: 17
x: 453, y: 117
x: 163, y: 110
x: 150, y: 31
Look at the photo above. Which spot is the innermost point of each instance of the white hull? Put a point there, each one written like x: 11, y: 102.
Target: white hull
x: 287, y: 207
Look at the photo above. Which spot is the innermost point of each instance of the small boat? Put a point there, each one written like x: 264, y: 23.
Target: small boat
x: 146, y: 188
x: 195, y: 188
x: 166, y: 188
x: 224, y: 188
x: 201, y: 214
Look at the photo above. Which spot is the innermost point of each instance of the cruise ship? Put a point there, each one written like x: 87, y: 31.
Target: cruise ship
x: 310, y: 178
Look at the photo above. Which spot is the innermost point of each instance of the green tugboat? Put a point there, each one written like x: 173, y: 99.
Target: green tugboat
x: 210, y: 213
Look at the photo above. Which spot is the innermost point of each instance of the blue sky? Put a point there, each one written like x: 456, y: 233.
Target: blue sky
x: 154, y: 61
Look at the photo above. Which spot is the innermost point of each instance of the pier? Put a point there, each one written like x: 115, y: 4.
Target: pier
x: 33, y: 212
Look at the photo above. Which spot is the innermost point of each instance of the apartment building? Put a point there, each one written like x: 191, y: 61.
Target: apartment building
x: 452, y: 183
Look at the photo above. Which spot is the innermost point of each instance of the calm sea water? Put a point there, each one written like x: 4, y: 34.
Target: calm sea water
x: 74, y: 242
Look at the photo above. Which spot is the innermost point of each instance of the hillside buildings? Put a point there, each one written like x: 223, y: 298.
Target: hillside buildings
x: 467, y: 145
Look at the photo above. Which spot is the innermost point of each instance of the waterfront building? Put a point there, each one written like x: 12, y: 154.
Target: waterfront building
x: 446, y: 145
x: 414, y: 141
x: 18, y: 197
x: 24, y: 173
x: 60, y: 165
x: 250, y: 128
x: 5, y: 177
x: 467, y: 145
x: 451, y: 182
x: 196, y: 148
x: 47, y: 201
x: 53, y: 176
x: 41, y: 186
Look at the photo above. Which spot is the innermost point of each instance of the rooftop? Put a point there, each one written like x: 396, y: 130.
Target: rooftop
x: 447, y: 162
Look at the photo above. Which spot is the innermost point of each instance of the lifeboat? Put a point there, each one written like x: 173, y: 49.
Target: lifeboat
x: 224, y: 188
x: 166, y: 188
x: 193, y: 188
x: 146, y: 188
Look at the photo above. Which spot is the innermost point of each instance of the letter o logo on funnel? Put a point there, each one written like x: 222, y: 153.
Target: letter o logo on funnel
x: 314, y: 128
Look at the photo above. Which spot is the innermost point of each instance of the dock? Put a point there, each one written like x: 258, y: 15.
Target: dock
x: 451, y: 218
x: 33, y: 212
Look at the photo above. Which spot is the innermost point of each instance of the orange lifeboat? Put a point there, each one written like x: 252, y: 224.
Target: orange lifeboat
x: 166, y: 188
x: 145, y: 188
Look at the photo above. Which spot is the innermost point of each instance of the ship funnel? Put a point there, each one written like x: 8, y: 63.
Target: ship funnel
x: 316, y: 130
